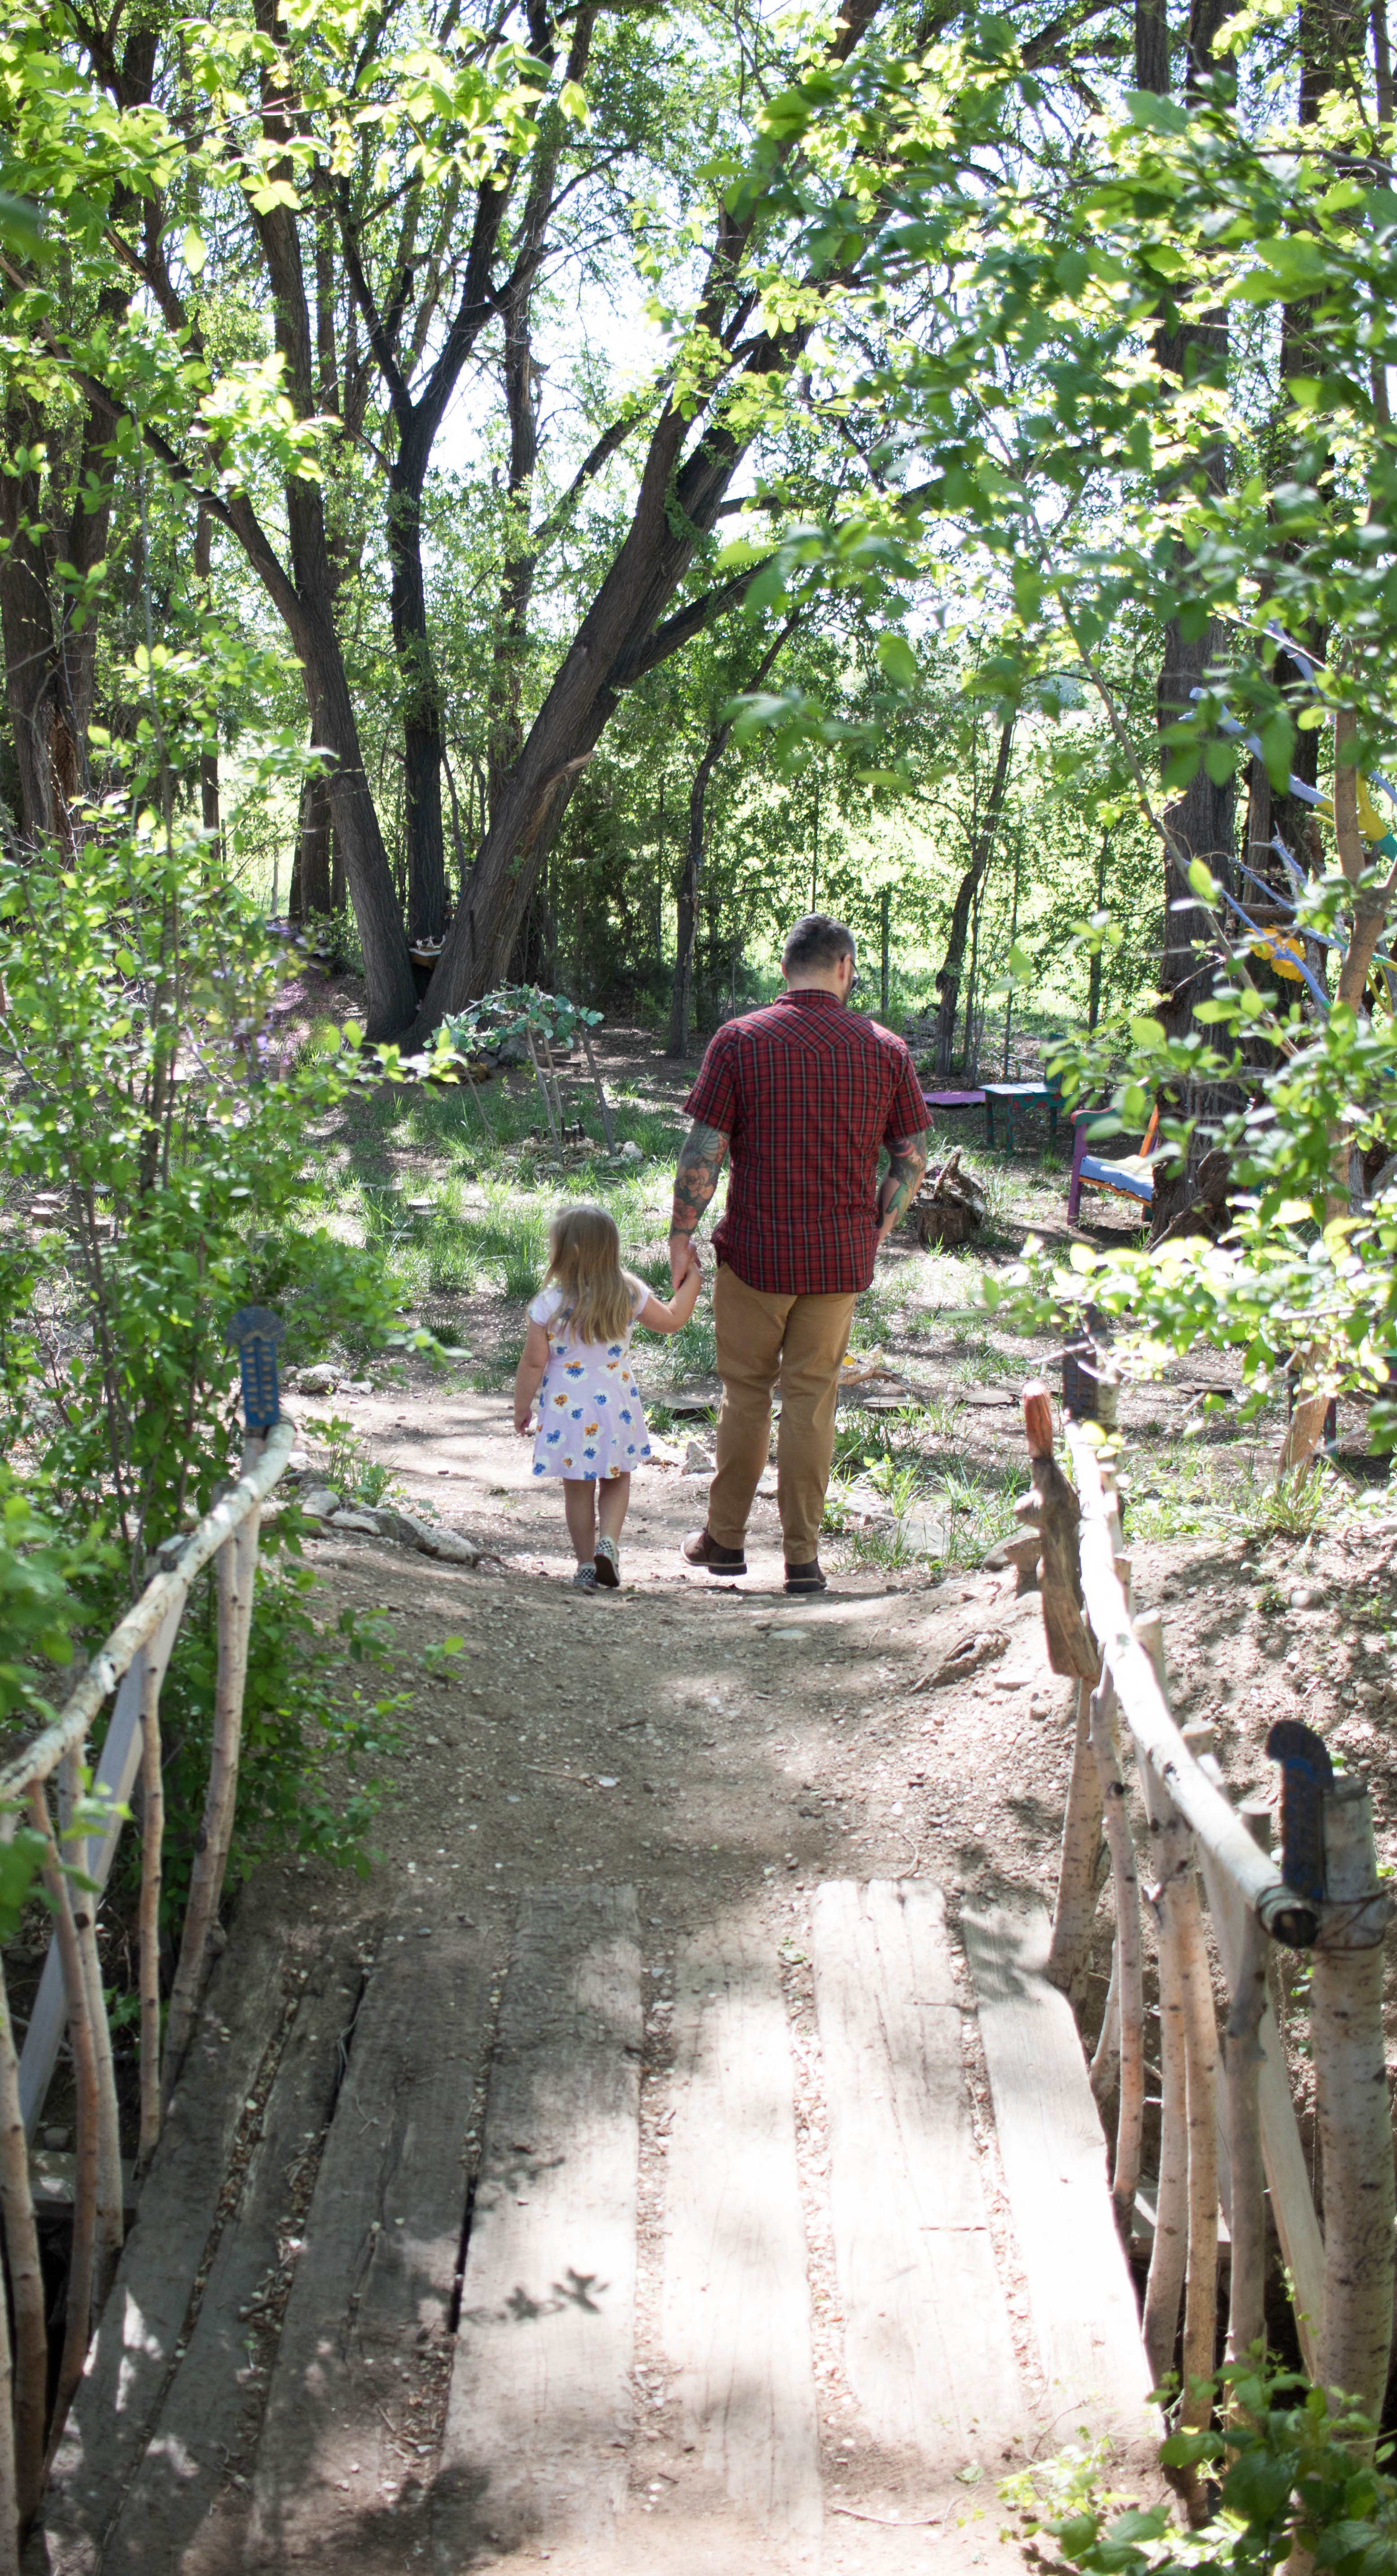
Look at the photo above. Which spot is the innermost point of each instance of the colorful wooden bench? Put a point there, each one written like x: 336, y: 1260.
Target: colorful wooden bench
x: 1128, y: 1176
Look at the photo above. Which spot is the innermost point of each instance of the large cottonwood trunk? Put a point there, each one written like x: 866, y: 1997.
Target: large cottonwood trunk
x: 307, y: 604
x: 683, y: 483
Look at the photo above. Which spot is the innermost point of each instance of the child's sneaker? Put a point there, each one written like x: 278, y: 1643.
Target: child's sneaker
x: 585, y: 1579
x: 608, y: 1564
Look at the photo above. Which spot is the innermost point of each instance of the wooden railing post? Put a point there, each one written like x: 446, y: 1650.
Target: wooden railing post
x: 1355, y: 2119
x: 1185, y: 1990
x: 1127, y: 1965
x: 235, y: 1570
x: 152, y: 1851
x: 87, y: 2083
x: 26, y: 2289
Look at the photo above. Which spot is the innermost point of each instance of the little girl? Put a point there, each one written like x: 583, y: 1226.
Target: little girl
x: 591, y: 1429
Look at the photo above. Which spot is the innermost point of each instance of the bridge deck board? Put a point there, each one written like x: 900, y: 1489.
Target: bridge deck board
x: 911, y: 2229
x: 1054, y: 2158
x: 736, y: 2299
x: 541, y: 2407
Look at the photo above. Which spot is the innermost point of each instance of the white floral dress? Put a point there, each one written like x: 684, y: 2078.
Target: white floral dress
x: 591, y: 1421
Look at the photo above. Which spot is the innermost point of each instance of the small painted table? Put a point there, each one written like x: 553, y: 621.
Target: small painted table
x: 954, y: 1099
x: 1010, y: 1096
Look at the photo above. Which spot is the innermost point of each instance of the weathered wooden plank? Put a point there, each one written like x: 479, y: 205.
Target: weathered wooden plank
x: 373, y: 2288
x: 133, y: 2350
x: 173, y: 2520
x: 540, y: 2406
x: 1054, y: 2158
x: 911, y: 2234
x: 736, y: 2301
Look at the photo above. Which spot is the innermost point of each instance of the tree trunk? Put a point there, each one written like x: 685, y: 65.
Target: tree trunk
x: 422, y: 699
x: 310, y: 873
x: 683, y: 482
x: 681, y: 999
x: 208, y: 759
x: 27, y: 628
x: 1201, y: 819
x: 392, y: 995
x: 982, y: 850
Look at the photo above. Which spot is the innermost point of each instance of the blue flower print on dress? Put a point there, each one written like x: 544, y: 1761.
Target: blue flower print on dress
x: 593, y: 1422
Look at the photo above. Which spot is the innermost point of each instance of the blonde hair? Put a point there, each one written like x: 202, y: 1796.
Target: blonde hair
x: 584, y: 1260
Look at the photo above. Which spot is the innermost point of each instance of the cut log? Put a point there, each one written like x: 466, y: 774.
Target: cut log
x: 336, y: 2479
x: 926, y: 2335
x: 736, y: 2301
x: 540, y: 2409
x: 1054, y: 2158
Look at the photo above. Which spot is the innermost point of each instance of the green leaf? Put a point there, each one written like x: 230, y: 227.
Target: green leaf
x: 1203, y: 881
x: 1157, y: 114
x: 898, y: 660
x: 195, y: 250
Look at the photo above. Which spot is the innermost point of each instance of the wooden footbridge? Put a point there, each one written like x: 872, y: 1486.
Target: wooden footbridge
x: 408, y: 2365
x: 439, y: 2267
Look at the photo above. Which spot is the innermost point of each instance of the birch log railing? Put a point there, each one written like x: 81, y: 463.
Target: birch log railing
x: 74, y: 1867
x: 1229, y: 2127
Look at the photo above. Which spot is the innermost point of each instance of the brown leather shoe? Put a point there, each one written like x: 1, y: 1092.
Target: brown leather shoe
x: 805, y: 1578
x: 699, y: 1549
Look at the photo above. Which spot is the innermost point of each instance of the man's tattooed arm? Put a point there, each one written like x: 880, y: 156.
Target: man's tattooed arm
x: 701, y: 1158
x: 901, y: 1181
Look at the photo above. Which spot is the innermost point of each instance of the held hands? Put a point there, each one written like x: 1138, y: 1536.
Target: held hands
x: 684, y: 1262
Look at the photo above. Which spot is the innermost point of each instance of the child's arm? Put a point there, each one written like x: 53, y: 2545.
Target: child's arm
x: 528, y: 1377
x: 659, y: 1317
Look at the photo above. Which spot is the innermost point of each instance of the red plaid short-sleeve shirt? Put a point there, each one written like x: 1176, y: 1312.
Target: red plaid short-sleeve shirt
x: 807, y: 1091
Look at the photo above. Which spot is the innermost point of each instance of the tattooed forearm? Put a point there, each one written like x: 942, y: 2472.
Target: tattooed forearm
x: 701, y: 1158
x: 902, y: 1179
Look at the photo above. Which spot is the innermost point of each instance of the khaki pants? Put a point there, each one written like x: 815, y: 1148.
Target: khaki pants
x: 764, y: 1340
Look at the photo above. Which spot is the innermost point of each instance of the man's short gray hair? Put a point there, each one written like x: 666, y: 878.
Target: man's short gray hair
x: 816, y: 942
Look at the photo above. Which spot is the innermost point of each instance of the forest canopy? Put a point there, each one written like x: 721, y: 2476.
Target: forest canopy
x: 640, y: 471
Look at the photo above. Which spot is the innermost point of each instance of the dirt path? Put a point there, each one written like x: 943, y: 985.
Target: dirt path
x: 725, y: 1750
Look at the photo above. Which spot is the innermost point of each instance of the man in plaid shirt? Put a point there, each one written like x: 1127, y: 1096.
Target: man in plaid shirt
x: 804, y: 1095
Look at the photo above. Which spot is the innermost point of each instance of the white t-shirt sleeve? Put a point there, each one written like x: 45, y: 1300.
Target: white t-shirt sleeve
x: 544, y: 1306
